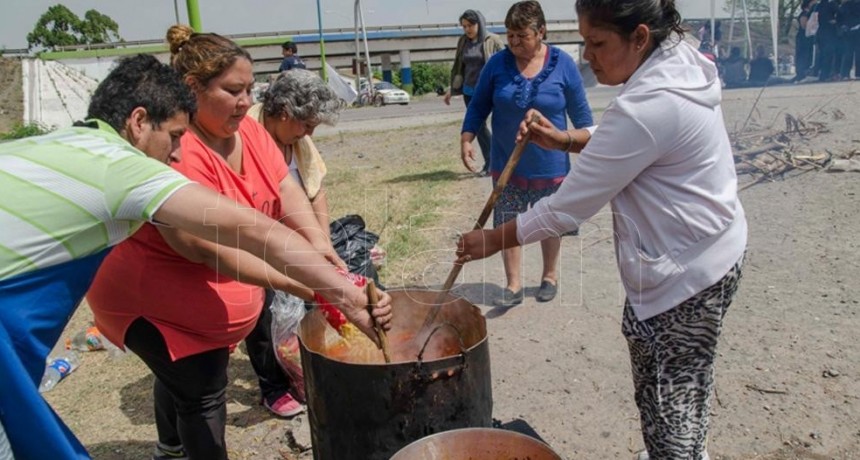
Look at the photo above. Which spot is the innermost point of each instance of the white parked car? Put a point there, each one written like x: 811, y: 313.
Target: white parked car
x: 386, y: 93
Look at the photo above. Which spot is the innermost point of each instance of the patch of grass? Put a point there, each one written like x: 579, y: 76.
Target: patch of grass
x: 398, y: 198
x: 21, y: 131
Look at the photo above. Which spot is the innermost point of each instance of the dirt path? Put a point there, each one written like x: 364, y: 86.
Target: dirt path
x: 11, y: 97
x: 788, y: 375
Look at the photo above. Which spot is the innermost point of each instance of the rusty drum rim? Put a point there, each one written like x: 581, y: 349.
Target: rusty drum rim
x: 448, y: 433
x: 464, y: 351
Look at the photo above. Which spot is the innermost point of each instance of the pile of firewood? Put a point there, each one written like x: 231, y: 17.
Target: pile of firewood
x: 767, y: 155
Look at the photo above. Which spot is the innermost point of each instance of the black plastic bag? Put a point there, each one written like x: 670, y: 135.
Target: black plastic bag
x: 353, y: 244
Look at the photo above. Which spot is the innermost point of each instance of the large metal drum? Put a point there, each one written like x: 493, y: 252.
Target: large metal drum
x: 370, y: 411
x: 477, y: 444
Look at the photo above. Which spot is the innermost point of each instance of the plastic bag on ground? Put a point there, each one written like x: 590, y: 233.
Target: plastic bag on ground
x: 354, y: 244
x: 287, y: 312
x: 91, y: 339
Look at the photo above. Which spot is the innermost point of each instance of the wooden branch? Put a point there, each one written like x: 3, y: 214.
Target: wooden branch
x: 759, y: 150
x: 770, y: 391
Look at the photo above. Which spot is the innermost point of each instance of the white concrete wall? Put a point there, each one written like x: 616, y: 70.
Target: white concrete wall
x: 55, y: 95
x: 95, y: 68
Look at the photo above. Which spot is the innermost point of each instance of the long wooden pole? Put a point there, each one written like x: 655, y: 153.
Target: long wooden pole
x: 479, y: 224
x: 372, y: 300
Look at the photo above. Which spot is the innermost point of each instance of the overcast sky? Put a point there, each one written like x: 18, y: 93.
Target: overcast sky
x: 149, y: 19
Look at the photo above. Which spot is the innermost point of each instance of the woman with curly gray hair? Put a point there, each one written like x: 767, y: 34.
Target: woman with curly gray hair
x: 293, y: 106
x: 295, y: 103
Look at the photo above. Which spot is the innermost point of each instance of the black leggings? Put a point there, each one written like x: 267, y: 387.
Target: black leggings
x: 189, y: 393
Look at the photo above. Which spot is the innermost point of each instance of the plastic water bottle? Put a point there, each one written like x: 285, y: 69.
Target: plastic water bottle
x: 58, y: 368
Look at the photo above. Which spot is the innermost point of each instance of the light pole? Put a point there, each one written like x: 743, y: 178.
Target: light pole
x: 176, y: 10
x: 323, y: 71
x: 359, y: 22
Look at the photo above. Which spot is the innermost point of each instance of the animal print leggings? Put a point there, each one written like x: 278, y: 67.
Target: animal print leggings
x: 672, y: 358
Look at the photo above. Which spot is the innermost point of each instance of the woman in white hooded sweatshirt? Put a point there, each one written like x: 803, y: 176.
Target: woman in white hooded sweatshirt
x: 661, y: 157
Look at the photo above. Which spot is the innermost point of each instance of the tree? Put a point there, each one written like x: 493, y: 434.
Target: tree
x: 99, y: 28
x: 787, y: 11
x: 59, y: 26
x: 426, y: 77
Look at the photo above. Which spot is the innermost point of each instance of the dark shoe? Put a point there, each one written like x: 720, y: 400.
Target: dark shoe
x: 508, y: 299
x: 546, y: 292
x: 164, y: 452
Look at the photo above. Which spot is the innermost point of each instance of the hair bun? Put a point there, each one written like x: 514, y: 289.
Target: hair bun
x: 177, y: 36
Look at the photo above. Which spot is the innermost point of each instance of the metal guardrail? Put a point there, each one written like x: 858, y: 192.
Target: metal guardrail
x: 18, y: 52
x: 314, y: 32
x: 112, y: 45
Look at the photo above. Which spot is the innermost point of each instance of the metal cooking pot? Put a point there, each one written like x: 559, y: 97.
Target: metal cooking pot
x: 370, y: 411
x: 477, y: 444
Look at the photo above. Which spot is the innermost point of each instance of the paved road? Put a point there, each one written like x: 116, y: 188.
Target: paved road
x: 424, y: 110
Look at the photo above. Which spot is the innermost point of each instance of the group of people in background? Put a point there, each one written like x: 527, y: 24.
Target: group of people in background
x: 827, y: 43
x: 733, y: 69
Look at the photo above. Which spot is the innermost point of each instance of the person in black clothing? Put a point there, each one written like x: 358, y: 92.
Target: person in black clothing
x: 291, y: 58
x: 761, y: 68
x: 827, y: 39
x: 803, y: 45
x: 848, y: 23
x: 734, y: 69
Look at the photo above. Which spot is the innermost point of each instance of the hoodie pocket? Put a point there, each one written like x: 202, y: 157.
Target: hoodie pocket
x: 641, y: 271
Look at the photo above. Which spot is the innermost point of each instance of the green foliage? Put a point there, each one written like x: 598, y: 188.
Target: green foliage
x: 426, y: 77
x: 788, y: 11
x: 99, y: 28
x: 59, y: 26
x: 20, y: 131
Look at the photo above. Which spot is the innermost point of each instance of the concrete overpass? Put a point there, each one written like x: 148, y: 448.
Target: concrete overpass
x: 425, y: 43
x: 417, y: 43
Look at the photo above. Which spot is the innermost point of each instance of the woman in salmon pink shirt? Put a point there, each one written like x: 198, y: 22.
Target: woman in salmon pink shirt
x: 181, y: 303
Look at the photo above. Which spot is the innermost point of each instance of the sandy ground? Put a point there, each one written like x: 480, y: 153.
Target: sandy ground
x: 789, y: 366
x: 11, y: 96
x: 787, y: 374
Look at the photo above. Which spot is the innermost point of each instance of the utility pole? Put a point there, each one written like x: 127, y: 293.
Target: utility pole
x: 323, y: 71
x: 359, y: 23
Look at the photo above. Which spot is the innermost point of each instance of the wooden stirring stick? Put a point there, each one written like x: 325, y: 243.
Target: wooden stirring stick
x: 479, y: 224
x: 372, y: 300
